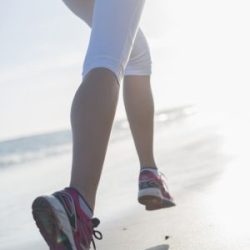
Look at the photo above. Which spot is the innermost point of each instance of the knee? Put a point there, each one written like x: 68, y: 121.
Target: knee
x: 103, y: 65
x: 141, y: 65
x: 128, y: 59
x: 101, y: 74
x: 140, y: 61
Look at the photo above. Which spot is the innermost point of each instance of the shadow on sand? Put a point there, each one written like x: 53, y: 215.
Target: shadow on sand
x: 160, y: 247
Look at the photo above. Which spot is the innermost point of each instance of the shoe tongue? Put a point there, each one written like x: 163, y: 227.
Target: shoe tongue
x: 83, y: 203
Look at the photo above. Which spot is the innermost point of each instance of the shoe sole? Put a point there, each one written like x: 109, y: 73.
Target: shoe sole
x: 152, y: 199
x: 52, y: 221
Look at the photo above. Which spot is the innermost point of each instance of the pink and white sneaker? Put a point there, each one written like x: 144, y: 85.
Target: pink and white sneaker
x: 63, y: 223
x: 153, y: 191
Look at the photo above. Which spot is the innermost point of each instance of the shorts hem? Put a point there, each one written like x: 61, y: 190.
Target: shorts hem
x: 138, y: 73
x: 111, y: 66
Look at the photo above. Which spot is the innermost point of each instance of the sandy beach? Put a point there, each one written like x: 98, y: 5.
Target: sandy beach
x: 200, y: 52
x: 205, y: 174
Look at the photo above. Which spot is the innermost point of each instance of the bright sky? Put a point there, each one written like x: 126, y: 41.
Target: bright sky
x: 200, y: 52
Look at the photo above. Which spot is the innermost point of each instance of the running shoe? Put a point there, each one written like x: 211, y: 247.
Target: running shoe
x: 62, y: 222
x: 153, y: 191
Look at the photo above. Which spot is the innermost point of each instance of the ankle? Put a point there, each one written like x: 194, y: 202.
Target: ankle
x: 90, y: 203
x: 152, y: 166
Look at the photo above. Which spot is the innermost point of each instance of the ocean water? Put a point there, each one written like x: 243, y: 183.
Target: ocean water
x: 39, y: 147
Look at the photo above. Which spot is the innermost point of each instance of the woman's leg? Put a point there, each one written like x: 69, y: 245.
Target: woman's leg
x: 139, y: 106
x: 95, y: 102
x: 65, y: 218
x: 138, y: 97
x: 92, y: 115
x: 138, y: 100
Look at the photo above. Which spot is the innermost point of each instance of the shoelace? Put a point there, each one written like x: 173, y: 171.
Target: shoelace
x: 96, y: 234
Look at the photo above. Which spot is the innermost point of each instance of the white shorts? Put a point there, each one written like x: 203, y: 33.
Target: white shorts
x: 116, y: 41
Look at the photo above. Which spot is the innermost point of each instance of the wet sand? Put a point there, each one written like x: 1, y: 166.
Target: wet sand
x: 206, y: 167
